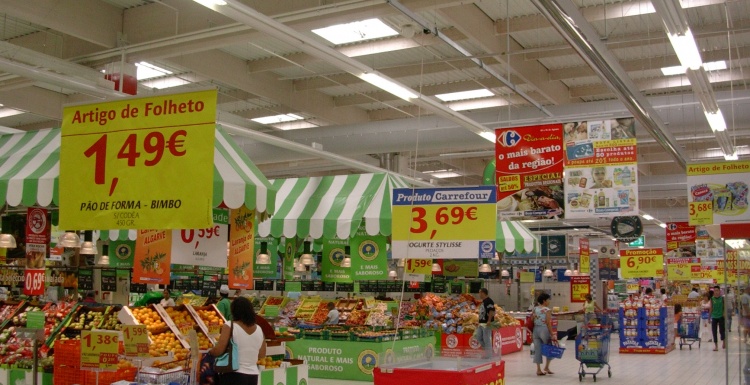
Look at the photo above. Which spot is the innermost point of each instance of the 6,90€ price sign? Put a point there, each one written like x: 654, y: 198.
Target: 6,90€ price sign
x: 99, y: 350
x: 642, y: 263
x: 122, y: 163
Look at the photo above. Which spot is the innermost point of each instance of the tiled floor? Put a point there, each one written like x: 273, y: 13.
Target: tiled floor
x: 680, y: 367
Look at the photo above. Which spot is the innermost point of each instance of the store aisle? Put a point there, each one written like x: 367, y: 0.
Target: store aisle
x: 680, y: 367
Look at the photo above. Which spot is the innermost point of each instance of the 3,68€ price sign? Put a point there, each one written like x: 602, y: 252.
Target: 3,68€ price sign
x: 435, y: 223
x: 122, y: 163
x: 99, y: 350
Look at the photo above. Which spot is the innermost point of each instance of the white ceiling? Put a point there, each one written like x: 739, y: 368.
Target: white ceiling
x: 258, y: 75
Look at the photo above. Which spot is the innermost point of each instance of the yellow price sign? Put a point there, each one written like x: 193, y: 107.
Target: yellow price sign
x: 683, y: 271
x: 632, y: 287
x: 641, y: 263
x: 579, y: 287
x: 443, y: 223
x: 418, y: 266
x: 100, y: 350
x: 509, y: 183
x: 701, y: 213
x: 135, y: 339
x: 109, y: 149
x: 527, y: 277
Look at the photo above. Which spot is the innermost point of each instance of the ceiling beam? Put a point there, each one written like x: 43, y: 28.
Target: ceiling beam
x: 475, y: 24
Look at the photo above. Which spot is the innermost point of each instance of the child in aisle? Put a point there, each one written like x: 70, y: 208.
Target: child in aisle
x: 706, y: 315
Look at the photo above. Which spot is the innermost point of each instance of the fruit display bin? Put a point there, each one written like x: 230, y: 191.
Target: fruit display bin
x: 8, y: 309
x: 187, y: 320
x: 273, y: 301
x: 307, y: 309
x: 211, y: 317
x: 82, y: 318
x: 157, y: 322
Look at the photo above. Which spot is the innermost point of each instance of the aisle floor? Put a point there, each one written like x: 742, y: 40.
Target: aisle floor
x: 680, y: 367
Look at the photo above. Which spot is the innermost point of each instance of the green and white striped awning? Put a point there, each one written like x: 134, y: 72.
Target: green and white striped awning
x: 332, y: 206
x: 514, y: 236
x: 30, y: 166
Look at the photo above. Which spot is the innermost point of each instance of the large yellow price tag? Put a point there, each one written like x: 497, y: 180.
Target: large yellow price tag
x: 135, y: 340
x: 109, y: 149
x: 418, y: 266
x: 508, y: 183
x: 579, y: 287
x: 700, y: 213
x: 632, y: 287
x: 99, y: 350
x: 641, y: 263
x: 527, y: 277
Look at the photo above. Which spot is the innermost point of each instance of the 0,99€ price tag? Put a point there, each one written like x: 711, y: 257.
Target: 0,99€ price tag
x: 135, y: 340
x: 700, y: 213
x: 641, y: 263
x: 99, y: 350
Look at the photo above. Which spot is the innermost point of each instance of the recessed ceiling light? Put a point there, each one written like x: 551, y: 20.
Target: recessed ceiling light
x: 277, y: 119
x: 445, y: 174
x: 357, y: 31
x: 168, y: 82
x: 463, y: 95
x: 6, y: 112
x: 680, y: 70
x: 716, y: 120
x: 489, y: 135
x: 146, y: 70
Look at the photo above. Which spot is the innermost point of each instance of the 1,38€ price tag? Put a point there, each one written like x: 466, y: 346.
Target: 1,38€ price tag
x: 99, y: 350
x: 701, y: 213
x: 135, y: 340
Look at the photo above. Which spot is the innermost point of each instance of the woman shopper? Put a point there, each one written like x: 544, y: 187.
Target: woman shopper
x: 590, y: 308
x: 717, y: 318
x: 251, y: 344
x: 542, y: 332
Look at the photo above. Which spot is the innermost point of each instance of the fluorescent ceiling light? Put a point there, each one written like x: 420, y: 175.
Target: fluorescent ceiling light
x: 445, y: 174
x: 731, y: 156
x: 686, y: 50
x: 357, y: 31
x: 162, y: 83
x: 680, y: 70
x: 388, y: 86
x: 6, y: 112
x: 211, y: 3
x: 463, y: 95
x: 277, y: 119
x: 647, y: 217
x: 146, y: 70
x: 489, y: 135
x: 716, y: 120
x: 296, y: 125
x: 663, y: 225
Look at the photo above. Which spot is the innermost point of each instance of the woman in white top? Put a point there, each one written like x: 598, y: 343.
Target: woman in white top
x: 251, y: 344
x: 167, y: 300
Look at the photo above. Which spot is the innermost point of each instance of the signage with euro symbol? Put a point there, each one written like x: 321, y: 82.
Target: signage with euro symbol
x: 642, y: 263
x: 439, y: 223
x: 123, y: 163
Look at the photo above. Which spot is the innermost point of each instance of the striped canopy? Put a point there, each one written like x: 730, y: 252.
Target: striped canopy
x: 30, y: 166
x: 514, y: 236
x: 332, y: 206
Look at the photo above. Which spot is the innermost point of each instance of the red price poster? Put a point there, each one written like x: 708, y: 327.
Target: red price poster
x: 33, y: 281
x: 529, y: 171
x: 601, y: 174
x: 203, y: 247
x: 241, y: 244
x: 579, y: 287
x: 584, y: 266
x: 37, y: 236
x: 680, y: 235
x: 153, y: 253
x: 123, y: 164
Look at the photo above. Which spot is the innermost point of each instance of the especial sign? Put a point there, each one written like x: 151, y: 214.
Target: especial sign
x: 441, y: 223
x: 123, y: 164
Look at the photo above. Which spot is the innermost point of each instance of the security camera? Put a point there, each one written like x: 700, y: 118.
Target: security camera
x: 426, y: 31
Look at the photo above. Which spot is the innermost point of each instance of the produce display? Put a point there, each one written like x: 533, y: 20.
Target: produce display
x: 54, y: 315
x: 182, y: 318
x: 307, y: 309
x: 20, y: 318
x: 457, y: 313
x: 8, y: 308
x: 321, y: 313
x: 149, y: 317
x: 357, y: 317
x: 269, y: 363
x: 378, y: 316
x: 211, y: 317
x: 165, y: 342
x: 287, y: 313
x: 86, y: 319
x: 110, y: 322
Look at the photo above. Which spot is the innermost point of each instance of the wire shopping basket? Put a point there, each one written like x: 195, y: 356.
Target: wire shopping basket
x: 162, y: 374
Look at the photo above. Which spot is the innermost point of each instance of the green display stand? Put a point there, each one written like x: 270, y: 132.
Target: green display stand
x: 292, y: 375
x: 350, y: 360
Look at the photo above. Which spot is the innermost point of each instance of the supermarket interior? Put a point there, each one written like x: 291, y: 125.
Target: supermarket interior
x: 478, y: 192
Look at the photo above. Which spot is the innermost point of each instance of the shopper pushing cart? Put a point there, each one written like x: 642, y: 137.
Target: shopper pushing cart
x: 689, y: 327
x: 592, y: 347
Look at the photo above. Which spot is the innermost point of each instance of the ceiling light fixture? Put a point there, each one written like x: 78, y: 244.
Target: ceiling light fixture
x: 263, y: 257
x: 647, y: 217
x: 464, y: 95
x: 306, y: 258
x: 681, y: 70
x: 388, y: 85
x: 716, y: 120
x: 489, y: 135
x: 164, y: 83
x: 356, y: 31
x: 69, y: 239
x: 146, y: 70
x: 731, y: 156
x: 88, y: 248
x: 392, y: 274
x: 686, y: 49
x: 548, y: 273
x: 505, y: 273
x: 568, y: 273
x: 445, y: 174
x: 436, y: 268
x: 347, y: 261
x: 7, y: 241
x: 663, y: 225
x: 485, y: 268
x: 283, y: 118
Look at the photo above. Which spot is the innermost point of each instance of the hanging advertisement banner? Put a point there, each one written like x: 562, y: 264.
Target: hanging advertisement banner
x: 717, y: 192
x: 585, y: 252
x: 121, y: 253
x: 642, y: 263
x: 601, y: 175
x: 369, y: 258
x: 37, y: 237
x: 683, y: 269
x: 204, y: 247
x: 579, y: 287
x: 334, y: 251
x: 529, y: 172
x: 554, y: 245
x: 272, y: 247
x: 681, y: 236
x: 708, y: 250
x: 241, y: 245
x: 290, y: 250
x: 110, y: 149
x: 151, y: 263
x: 440, y: 223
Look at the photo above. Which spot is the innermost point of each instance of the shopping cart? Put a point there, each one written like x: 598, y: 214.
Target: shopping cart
x: 688, y: 329
x: 177, y: 372
x: 592, y: 348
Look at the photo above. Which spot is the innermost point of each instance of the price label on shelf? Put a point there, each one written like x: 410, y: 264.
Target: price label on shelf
x: 110, y: 148
x: 100, y: 350
x: 438, y: 223
x: 641, y: 263
x: 135, y: 340
x: 33, y: 281
x: 700, y: 213
x: 418, y: 266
